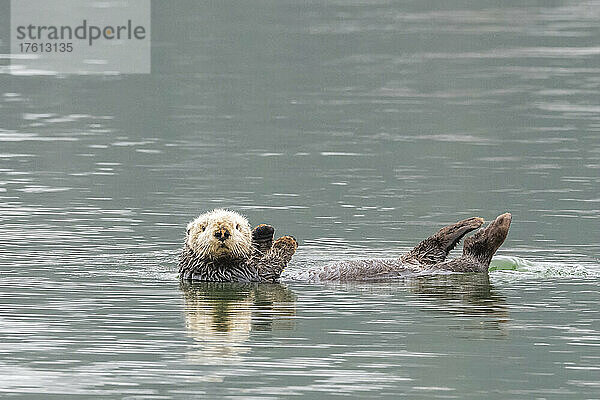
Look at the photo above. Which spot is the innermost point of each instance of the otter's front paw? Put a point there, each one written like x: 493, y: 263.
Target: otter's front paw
x: 262, y: 238
x: 286, y: 243
x: 263, y: 233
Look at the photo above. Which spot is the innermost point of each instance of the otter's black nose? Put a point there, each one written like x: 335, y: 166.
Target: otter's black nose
x: 222, y: 234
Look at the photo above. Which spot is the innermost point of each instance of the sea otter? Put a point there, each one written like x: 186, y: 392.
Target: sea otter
x: 221, y: 247
x: 428, y: 257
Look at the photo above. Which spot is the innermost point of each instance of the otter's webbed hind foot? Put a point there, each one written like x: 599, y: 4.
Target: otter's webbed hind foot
x: 262, y: 237
x: 479, y: 248
x: 435, y: 248
x: 485, y: 242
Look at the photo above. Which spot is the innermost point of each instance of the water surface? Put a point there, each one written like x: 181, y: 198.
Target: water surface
x: 359, y: 128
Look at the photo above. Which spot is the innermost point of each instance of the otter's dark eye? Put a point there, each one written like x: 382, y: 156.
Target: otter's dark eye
x: 237, y: 227
x: 203, y: 227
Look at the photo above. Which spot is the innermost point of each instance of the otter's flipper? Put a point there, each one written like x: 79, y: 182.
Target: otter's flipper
x: 485, y: 242
x: 479, y: 249
x: 435, y: 248
x: 262, y: 237
x: 271, y: 265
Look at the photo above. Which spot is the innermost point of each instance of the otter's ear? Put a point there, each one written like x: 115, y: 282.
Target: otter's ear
x: 187, y: 231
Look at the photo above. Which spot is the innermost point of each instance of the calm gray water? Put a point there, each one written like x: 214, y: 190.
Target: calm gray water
x: 359, y: 127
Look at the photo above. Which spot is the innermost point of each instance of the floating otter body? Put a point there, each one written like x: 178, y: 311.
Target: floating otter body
x: 427, y: 257
x: 220, y: 247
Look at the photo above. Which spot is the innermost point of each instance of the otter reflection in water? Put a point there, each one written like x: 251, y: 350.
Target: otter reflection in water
x: 470, y: 296
x: 221, y: 316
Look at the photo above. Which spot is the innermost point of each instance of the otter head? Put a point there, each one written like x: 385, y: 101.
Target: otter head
x: 220, y: 234
x: 484, y: 243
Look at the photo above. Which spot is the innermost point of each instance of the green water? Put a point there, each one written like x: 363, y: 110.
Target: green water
x: 358, y: 127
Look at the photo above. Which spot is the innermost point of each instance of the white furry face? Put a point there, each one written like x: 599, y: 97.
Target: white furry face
x: 220, y: 234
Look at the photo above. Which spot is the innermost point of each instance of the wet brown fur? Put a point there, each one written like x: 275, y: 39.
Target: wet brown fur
x: 426, y: 258
x: 267, y: 260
